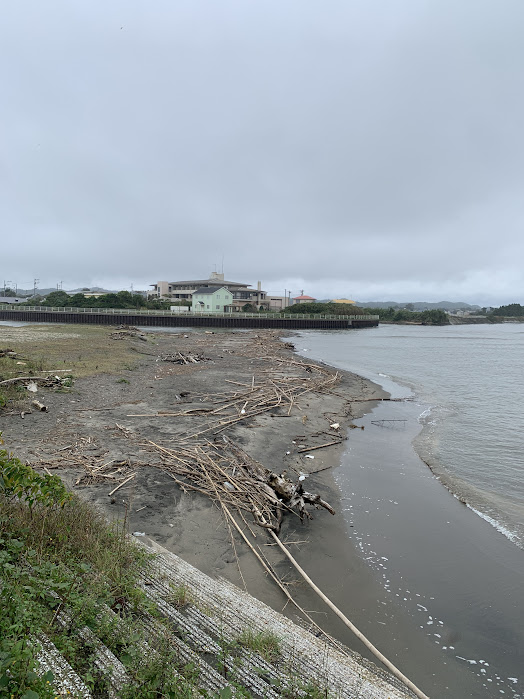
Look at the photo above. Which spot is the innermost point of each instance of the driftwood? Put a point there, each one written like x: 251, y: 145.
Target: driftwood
x: 275, y: 394
x: 123, y: 331
x: 321, y: 446
x: 39, y: 406
x: 184, y: 358
x: 46, y: 381
x: 23, y: 378
x: 227, y: 474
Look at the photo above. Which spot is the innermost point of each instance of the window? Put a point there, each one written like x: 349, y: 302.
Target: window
x: 217, y: 307
x: 207, y: 306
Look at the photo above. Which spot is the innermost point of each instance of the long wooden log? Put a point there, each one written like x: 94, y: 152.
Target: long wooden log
x: 320, y: 446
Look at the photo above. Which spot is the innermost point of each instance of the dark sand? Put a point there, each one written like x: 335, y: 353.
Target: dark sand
x: 192, y: 527
x: 189, y: 524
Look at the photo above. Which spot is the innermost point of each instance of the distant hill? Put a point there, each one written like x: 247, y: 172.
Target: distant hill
x: 421, y: 305
x: 45, y: 292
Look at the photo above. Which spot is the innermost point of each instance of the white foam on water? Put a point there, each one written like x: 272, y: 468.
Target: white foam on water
x: 494, y: 523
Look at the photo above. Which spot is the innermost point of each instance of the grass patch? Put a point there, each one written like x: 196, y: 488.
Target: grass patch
x: 56, y: 552
x: 180, y: 596
x: 265, y: 643
x: 85, y: 349
x: 14, y: 396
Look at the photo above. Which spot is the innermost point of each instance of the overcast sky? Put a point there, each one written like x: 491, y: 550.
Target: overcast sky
x: 368, y: 149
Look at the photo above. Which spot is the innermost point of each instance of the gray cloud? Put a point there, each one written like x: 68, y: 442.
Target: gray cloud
x: 366, y: 149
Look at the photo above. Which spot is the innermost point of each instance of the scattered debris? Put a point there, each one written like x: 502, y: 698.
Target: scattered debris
x: 389, y: 423
x: 122, y: 484
x: 123, y: 331
x: 39, y: 406
x: 228, y: 475
x: 45, y: 381
x: 184, y: 358
x: 32, y: 387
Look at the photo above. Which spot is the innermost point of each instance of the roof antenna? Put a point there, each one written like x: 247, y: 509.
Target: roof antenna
x: 222, y: 263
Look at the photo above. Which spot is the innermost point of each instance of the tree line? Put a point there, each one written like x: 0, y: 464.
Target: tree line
x: 513, y: 310
x: 122, y: 299
x: 435, y: 316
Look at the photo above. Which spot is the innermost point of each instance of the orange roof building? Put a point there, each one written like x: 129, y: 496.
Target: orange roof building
x: 303, y: 299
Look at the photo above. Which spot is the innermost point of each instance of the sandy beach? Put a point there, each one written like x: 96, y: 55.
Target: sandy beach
x: 92, y: 425
x: 106, y: 422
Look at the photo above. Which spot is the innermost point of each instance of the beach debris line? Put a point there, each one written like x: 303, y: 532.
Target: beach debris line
x: 45, y: 381
x: 123, y: 331
x: 228, y: 475
x: 184, y: 358
x: 268, y: 392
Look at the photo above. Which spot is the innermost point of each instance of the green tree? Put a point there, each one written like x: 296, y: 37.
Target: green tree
x: 57, y: 298
x: 512, y: 309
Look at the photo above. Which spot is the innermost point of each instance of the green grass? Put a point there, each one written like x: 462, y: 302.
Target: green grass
x: 265, y: 643
x: 180, y: 596
x: 14, y: 396
x: 55, y: 552
x: 64, y: 568
x: 85, y: 349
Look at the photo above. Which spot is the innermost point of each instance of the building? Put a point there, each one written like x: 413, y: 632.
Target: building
x: 212, y: 300
x: 303, y: 299
x: 278, y: 303
x: 184, y: 291
x: 12, y: 299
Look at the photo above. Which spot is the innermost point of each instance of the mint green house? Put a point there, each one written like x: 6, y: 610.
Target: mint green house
x: 212, y: 300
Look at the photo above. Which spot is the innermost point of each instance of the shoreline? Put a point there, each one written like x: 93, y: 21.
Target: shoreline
x: 440, y: 562
x: 343, y: 561
x: 188, y: 524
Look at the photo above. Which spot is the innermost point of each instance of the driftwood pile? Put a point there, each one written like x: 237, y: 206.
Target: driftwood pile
x: 98, y: 466
x: 229, y: 476
x: 44, y: 381
x: 184, y: 358
x: 272, y: 391
x: 123, y: 331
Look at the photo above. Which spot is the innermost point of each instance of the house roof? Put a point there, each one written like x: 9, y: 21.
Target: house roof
x: 207, y: 281
x: 209, y: 290
x: 303, y: 298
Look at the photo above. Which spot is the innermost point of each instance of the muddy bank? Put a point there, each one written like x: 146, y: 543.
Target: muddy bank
x: 96, y: 424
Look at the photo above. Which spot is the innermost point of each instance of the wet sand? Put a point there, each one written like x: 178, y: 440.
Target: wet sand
x: 450, y: 583
x: 329, y: 548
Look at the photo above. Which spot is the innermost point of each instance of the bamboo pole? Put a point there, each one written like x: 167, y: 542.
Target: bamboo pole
x: 320, y: 446
x: 121, y: 484
x: 392, y: 668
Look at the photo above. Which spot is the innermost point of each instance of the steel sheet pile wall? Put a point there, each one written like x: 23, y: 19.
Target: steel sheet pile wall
x: 186, y: 320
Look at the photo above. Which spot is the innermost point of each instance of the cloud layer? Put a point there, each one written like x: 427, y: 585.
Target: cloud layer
x: 372, y: 150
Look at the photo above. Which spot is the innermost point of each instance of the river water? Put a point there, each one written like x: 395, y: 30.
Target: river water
x: 446, y: 543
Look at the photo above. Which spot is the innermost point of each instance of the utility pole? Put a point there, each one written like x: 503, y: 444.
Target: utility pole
x: 35, y: 284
